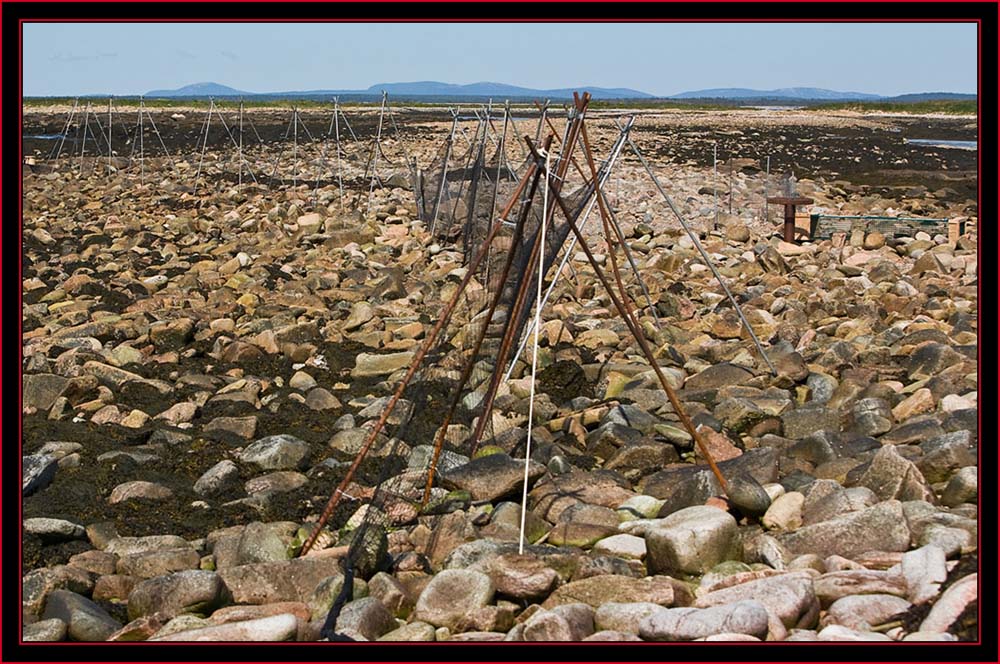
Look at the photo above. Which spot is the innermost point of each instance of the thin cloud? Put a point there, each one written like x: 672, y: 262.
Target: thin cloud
x: 230, y: 55
x: 77, y: 57
x: 185, y: 54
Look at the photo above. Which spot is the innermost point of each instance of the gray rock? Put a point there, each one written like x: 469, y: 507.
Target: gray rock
x: 282, y: 627
x: 862, y: 612
x: 834, y: 585
x: 924, y: 570
x: 50, y: 630
x: 414, y: 631
x: 280, y: 481
x: 930, y: 360
x: 522, y: 576
x: 266, y: 583
x: 54, y: 530
x: 945, y: 454
x: 39, y: 391
x: 692, y: 483
x: 262, y: 543
x: 687, y: 624
x: 420, y: 458
x: 748, y: 495
x: 872, y: 417
x: 789, y: 597
x: 624, y: 617
x: 597, y: 590
x: 85, y: 621
x: 451, y: 594
x: 278, y: 452
x: 37, y: 472
x: 963, y: 487
x: 881, y: 527
x: 808, y: 419
x: 139, y: 490
x: 718, y: 375
x: 367, y: 364
x: 123, y: 546
x: 691, y: 541
x: 822, y: 505
x: 321, y: 599
x: 149, y: 564
x: 491, y: 477
x: 890, y: 476
x: 173, y: 594
x: 217, y: 479
x: 367, y: 617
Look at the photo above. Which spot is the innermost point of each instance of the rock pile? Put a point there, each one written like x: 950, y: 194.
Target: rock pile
x: 198, y: 372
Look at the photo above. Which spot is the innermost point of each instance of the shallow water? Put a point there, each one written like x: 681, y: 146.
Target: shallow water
x: 960, y: 145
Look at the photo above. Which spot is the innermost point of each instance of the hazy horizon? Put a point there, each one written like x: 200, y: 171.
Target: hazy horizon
x: 77, y: 59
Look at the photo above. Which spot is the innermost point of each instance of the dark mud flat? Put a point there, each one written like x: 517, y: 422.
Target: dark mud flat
x: 879, y: 159
x: 184, y: 136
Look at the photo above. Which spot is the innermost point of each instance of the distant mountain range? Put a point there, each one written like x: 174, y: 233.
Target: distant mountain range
x: 812, y: 94
x: 436, y: 90
x: 415, y: 89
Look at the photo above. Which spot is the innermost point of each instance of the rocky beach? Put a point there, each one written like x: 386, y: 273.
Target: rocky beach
x: 202, y: 359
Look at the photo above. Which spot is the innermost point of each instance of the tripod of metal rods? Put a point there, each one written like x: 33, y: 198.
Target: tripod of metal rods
x: 213, y: 108
x: 376, y: 149
x: 529, y: 183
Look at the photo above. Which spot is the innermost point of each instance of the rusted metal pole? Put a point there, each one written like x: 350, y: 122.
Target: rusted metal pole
x: 414, y: 365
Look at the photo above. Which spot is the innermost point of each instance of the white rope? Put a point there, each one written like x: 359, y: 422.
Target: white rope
x: 534, y: 354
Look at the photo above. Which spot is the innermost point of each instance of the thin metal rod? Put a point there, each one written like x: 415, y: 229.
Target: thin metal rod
x: 534, y: 357
x: 109, y: 136
x: 281, y: 152
x: 715, y: 183
x: 295, y: 146
x: 704, y: 255
x: 611, y: 222
x: 241, y: 145
x: 142, y: 150
x: 163, y: 146
x: 375, y: 151
x: 336, y: 123
x: 232, y: 139
x: 204, y: 148
x: 767, y: 182
x: 730, y: 184
x: 444, y: 173
x: 69, y: 122
x: 83, y: 143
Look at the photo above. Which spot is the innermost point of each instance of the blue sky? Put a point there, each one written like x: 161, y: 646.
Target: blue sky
x: 659, y: 58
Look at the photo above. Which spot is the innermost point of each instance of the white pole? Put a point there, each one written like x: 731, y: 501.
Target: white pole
x: 109, y: 136
x: 336, y: 124
x: 241, y: 145
x: 142, y: 156
x: 534, y: 354
x: 715, y: 182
